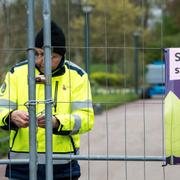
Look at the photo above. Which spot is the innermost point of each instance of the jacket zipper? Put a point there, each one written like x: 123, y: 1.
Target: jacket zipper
x: 55, y: 96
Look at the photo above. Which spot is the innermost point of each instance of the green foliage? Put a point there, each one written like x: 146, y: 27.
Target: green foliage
x: 12, y: 32
x: 108, y: 79
x: 173, y: 13
x: 110, y: 100
x: 4, y: 146
x: 108, y: 28
x: 100, y: 67
x: 170, y: 27
x: 172, y: 41
x: 161, y: 37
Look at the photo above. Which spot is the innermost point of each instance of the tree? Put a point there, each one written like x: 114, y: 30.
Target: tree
x: 12, y: 35
x: 172, y: 9
x: 112, y: 25
x: 13, y: 27
x: 166, y: 32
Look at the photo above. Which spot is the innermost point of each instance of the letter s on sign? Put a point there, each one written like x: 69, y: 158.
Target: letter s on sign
x: 178, y: 56
x: 177, y: 71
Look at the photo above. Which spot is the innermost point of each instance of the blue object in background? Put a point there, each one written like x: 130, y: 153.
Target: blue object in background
x: 155, y: 78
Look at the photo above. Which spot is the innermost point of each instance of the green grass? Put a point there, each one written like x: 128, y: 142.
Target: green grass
x: 109, y: 101
x: 4, y: 146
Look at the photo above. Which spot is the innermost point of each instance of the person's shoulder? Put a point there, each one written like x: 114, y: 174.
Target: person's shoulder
x: 19, y: 65
x: 74, y: 67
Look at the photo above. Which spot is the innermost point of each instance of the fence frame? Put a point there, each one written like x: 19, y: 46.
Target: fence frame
x: 32, y: 161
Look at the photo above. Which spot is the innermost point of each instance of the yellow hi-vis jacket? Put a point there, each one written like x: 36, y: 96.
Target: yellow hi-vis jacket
x: 73, y: 108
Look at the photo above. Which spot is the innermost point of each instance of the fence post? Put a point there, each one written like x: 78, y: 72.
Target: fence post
x: 48, y: 93
x: 31, y: 92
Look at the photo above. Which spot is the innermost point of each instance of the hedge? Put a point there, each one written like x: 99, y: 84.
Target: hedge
x: 110, y: 79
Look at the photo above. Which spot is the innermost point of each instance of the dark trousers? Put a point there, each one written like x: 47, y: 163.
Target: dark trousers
x: 70, y: 171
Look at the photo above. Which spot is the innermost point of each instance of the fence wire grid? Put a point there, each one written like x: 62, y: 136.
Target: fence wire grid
x: 127, y: 141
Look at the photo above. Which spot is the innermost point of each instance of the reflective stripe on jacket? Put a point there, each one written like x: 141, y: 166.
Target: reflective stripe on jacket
x: 72, y: 107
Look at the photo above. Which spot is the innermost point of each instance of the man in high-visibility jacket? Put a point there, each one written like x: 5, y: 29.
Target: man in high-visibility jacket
x: 72, y: 110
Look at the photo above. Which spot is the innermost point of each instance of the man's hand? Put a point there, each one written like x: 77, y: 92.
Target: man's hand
x: 42, y: 123
x: 20, y: 118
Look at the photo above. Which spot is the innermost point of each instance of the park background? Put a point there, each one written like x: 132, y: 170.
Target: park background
x: 123, y: 36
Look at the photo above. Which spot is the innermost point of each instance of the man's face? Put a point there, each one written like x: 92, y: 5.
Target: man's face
x: 55, y: 59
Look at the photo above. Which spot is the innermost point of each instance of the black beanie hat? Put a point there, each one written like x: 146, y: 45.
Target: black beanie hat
x: 57, y: 39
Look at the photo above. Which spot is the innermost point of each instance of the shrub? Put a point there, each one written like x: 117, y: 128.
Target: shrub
x: 108, y: 79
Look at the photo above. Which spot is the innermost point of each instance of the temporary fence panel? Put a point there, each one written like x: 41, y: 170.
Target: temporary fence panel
x: 127, y: 142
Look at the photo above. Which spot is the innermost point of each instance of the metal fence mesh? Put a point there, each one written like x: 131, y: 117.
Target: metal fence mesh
x: 127, y: 142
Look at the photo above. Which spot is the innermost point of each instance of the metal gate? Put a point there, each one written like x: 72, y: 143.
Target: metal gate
x: 126, y: 143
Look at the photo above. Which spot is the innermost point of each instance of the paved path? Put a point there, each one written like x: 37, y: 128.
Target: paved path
x: 2, y: 170
x: 110, y: 136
